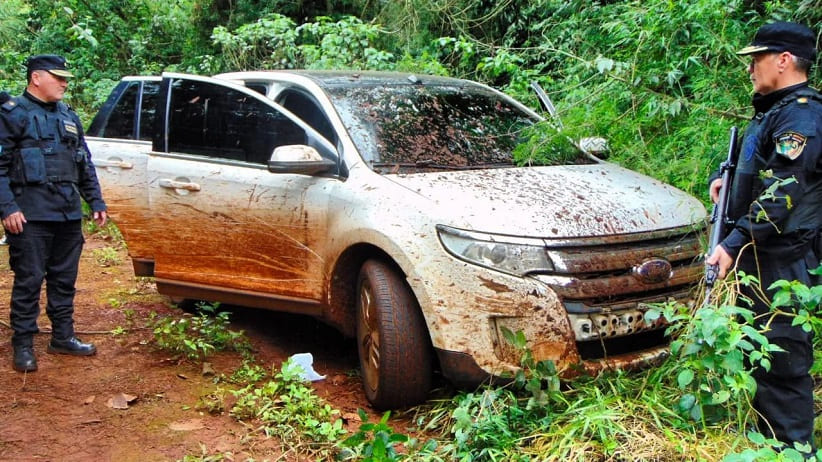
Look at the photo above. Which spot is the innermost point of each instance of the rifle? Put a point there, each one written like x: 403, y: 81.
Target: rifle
x: 719, y: 214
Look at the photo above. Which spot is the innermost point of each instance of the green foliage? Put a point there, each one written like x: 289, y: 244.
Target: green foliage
x: 269, y: 42
x: 658, y: 79
x: 248, y: 373
x: 712, y: 346
x: 213, y: 402
x: 684, y: 407
x: 197, y: 336
x: 771, y: 450
x: 545, y: 144
x: 288, y: 408
x: 12, y: 70
x: 275, y: 42
x: 107, y: 256
x: 795, y: 299
x: 539, y: 378
x: 347, y: 43
x: 373, y: 442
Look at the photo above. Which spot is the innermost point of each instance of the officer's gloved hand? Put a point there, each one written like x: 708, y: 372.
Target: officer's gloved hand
x: 4, y: 97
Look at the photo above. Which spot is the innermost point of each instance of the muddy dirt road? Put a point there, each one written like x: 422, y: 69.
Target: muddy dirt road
x: 62, y: 412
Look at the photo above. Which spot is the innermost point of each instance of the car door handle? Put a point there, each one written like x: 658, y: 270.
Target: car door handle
x: 172, y: 184
x: 114, y: 163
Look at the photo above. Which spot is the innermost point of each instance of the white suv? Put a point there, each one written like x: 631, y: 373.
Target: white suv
x: 388, y: 205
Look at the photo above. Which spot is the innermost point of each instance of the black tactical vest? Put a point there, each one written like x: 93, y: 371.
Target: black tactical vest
x: 49, y: 148
x: 755, y: 156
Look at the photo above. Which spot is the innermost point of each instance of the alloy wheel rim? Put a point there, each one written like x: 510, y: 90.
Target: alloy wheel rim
x: 369, y: 337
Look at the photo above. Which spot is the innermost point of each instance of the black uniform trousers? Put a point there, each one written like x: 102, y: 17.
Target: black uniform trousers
x: 784, y: 394
x: 47, y: 250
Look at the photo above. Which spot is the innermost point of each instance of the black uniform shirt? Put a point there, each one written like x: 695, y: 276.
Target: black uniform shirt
x: 52, y: 201
x: 784, y: 139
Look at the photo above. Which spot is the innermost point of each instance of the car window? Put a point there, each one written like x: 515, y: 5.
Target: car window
x: 117, y: 118
x: 258, y: 87
x: 148, y: 110
x: 306, y: 108
x: 120, y: 123
x: 212, y: 120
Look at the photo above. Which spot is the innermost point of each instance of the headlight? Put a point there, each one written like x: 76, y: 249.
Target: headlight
x: 517, y: 256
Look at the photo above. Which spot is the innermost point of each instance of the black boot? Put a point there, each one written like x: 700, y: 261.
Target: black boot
x: 24, y: 359
x: 71, y: 346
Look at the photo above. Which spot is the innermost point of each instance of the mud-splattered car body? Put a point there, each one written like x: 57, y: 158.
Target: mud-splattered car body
x: 403, y: 222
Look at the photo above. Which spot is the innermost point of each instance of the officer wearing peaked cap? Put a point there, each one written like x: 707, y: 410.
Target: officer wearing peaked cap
x: 773, y: 233
x: 45, y: 171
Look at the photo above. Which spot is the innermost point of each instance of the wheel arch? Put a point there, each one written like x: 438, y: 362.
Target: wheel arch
x: 341, y: 312
x: 343, y: 285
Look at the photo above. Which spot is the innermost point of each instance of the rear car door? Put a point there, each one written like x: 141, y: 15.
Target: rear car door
x: 223, y: 221
x: 119, y: 138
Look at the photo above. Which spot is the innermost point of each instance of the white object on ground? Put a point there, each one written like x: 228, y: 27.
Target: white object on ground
x: 306, y: 361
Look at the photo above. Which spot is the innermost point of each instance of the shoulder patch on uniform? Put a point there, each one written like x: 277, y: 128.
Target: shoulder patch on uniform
x: 10, y: 104
x: 790, y: 144
x: 70, y: 127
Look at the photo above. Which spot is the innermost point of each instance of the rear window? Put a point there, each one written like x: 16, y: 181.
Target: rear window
x: 135, y: 107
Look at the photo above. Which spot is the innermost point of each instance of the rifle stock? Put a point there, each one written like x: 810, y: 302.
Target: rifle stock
x: 719, y: 214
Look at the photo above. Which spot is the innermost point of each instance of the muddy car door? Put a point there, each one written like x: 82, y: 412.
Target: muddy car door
x: 119, y: 138
x: 228, y: 224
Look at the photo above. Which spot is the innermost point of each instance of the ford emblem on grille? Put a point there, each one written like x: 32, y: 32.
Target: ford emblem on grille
x: 653, y: 271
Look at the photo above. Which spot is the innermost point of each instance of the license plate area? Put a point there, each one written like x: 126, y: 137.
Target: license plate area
x: 607, y: 325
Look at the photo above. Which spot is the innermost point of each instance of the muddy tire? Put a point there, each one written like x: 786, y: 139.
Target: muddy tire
x: 392, y: 339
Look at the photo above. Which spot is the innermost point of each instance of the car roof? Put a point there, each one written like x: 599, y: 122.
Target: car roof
x: 349, y: 78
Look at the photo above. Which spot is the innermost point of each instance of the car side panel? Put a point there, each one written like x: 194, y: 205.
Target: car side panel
x: 121, y: 170
x: 238, y: 226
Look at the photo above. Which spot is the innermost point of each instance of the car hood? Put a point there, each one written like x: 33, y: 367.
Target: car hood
x: 556, y: 202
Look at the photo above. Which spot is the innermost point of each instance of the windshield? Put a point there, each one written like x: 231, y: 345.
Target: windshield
x: 424, y: 127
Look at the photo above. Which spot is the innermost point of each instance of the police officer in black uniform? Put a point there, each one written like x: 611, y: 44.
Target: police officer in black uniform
x: 45, y: 170
x: 774, y: 232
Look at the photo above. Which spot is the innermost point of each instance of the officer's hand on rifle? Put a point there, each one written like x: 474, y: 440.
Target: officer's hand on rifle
x: 720, y: 258
x: 714, y: 189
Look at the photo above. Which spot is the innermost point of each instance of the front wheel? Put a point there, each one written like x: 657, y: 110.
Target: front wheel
x: 392, y: 339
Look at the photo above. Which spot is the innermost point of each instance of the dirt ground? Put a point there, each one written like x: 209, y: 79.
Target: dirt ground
x: 62, y: 411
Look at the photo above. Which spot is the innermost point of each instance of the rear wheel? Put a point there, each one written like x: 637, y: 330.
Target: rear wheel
x: 392, y: 339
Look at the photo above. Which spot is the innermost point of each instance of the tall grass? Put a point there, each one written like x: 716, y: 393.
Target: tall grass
x: 696, y: 406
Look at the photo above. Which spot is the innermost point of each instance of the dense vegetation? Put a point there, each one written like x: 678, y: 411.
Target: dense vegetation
x: 658, y: 78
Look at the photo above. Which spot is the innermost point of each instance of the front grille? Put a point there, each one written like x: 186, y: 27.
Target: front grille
x: 605, y: 298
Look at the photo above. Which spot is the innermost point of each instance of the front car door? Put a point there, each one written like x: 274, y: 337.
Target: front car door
x: 224, y: 223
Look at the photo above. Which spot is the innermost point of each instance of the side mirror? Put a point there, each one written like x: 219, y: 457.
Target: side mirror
x: 299, y: 159
x: 595, y: 146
